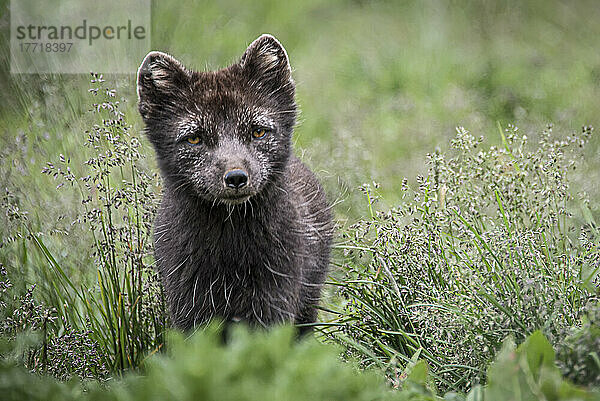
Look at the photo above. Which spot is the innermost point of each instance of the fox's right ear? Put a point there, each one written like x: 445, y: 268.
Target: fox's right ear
x: 159, y: 78
x: 267, y: 63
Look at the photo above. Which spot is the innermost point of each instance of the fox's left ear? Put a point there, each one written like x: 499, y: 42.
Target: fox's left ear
x: 160, y: 79
x: 265, y: 60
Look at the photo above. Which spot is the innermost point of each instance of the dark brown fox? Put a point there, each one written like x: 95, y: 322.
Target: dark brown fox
x: 244, y: 230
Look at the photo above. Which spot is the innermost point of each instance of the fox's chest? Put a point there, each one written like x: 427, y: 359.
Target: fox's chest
x: 244, y: 272
x: 225, y: 248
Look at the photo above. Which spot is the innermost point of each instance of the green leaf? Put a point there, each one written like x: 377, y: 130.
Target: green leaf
x: 528, y: 373
x: 538, y: 352
x: 419, y: 373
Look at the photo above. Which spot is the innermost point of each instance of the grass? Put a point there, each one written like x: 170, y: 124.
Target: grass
x: 274, y: 366
x: 378, y: 83
x: 486, y: 246
x: 123, y: 312
x: 497, y: 238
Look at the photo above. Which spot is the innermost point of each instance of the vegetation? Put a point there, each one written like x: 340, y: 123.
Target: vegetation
x: 478, y: 279
x: 123, y: 313
x: 484, y: 248
x: 274, y: 366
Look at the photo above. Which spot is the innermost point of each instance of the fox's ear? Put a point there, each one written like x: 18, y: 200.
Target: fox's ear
x: 159, y: 78
x: 265, y: 60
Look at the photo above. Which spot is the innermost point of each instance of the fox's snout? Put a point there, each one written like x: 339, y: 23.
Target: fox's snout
x: 235, y: 179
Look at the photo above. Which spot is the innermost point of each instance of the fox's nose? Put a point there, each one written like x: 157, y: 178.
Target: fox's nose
x: 235, y: 179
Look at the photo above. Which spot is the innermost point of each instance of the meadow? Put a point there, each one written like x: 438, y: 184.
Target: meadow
x: 455, y: 140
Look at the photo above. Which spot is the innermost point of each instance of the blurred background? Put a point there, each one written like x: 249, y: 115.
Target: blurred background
x: 380, y: 84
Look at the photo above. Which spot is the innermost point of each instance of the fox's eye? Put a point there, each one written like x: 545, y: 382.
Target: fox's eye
x: 194, y: 141
x: 259, y: 133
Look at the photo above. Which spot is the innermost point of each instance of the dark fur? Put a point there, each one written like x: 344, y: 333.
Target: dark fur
x: 257, y: 254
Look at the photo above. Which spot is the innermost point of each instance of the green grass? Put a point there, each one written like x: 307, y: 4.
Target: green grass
x: 274, y: 366
x: 122, y: 308
x: 485, y: 246
x: 379, y: 84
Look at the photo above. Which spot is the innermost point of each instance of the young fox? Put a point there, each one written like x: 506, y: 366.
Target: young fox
x: 244, y: 230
